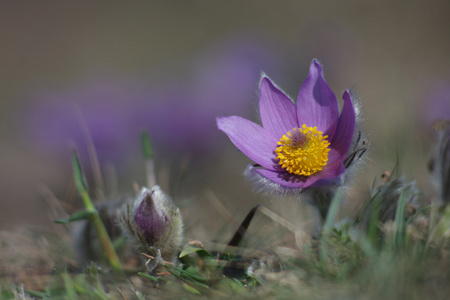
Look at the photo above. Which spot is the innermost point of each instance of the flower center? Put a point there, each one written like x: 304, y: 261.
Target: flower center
x: 303, y: 151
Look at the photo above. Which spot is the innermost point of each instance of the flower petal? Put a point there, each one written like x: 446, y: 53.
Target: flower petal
x: 316, y: 102
x: 278, y: 113
x: 284, y: 179
x: 345, y: 127
x: 329, y: 175
x: 253, y: 140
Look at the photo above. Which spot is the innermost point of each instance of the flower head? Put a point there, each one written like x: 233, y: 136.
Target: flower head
x: 299, y: 145
x: 154, y: 222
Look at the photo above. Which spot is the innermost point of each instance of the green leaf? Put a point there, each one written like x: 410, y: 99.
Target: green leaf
x: 207, y: 258
x: 78, y: 174
x: 373, y: 231
x: 400, y: 221
x: 36, y: 294
x: 152, y: 278
x: 191, y: 289
x: 191, y: 249
x: 69, y: 286
x: 232, y: 286
x: 147, y: 151
x: 79, y: 215
x: 184, y: 274
x: 6, y: 294
x: 96, y: 221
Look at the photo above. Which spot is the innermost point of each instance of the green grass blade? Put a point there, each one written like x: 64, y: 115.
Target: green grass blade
x: 69, y: 287
x: 147, y: 150
x: 79, y: 215
x: 147, y: 153
x: 80, y: 180
x: 400, y: 221
x: 152, y: 278
x: 190, y: 289
x: 95, y: 218
x: 373, y: 230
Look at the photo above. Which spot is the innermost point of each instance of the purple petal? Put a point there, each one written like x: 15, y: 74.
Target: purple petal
x: 330, y: 174
x: 278, y: 114
x: 316, y: 102
x: 284, y: 179
x: 253, y: 140
x: 333, y: 156
x: 345, y: 128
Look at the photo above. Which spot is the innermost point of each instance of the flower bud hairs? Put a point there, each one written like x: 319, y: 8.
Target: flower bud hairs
x: 154, y: 224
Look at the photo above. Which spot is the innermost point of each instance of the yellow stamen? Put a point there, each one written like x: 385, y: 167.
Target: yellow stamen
x: 303, y: 151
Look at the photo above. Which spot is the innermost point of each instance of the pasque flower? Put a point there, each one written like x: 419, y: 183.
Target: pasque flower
x: 154, y: 222
x: 299, y: 145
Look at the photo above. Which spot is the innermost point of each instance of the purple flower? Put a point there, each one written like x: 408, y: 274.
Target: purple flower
x: 104, y: 106
x: 153, y: 222
x: 179, y: 114
x: 437, y: 105
x: 299, y: 145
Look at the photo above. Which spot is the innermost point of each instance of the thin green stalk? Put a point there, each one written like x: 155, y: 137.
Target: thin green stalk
x: 400, y: 231
x: 95, y: 218
x: 373, y: 230
x: 330, y: 222
x: 147, y: 153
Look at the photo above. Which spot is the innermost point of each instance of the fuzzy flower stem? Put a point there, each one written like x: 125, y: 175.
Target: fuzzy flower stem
x: 95, y: 218
x: 147, y: 152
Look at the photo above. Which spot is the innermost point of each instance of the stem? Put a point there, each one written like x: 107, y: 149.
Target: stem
x: 102, y: 233
x: 95, y: 218
x: 147, y: 153
x: 150, y: 170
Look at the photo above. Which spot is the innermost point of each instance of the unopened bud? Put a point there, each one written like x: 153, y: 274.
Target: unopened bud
x: 154, y: 222
x: 439, y: 164
x: 386, y: 199
x: 151, y: 219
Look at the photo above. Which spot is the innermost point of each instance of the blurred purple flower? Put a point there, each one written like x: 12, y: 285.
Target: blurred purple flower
x: 437, y: 105
x: 222, y: 81
x: 298, y: 146
x: 179, y: 116
x: 102, y: 107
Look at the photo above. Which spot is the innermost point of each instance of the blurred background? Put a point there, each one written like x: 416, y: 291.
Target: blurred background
x: 172, y: 67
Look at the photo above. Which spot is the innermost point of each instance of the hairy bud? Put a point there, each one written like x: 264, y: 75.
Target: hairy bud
x: 154, y: 223
x: 439, y: 164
